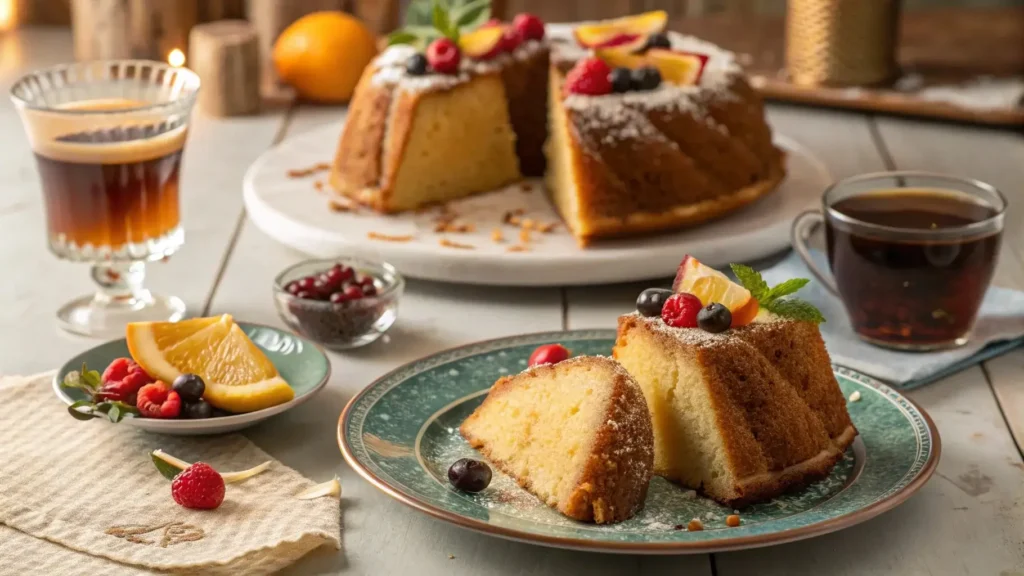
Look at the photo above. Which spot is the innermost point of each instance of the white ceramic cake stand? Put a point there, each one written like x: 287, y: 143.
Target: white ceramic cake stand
x: 292, y: 211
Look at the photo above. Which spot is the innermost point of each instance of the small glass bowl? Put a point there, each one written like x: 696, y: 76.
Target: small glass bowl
x: 348, y: 324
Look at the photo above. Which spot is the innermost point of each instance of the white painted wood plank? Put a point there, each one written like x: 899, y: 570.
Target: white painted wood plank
x: 997, y: 157
x: 217, y: 153
x: 382, y: 536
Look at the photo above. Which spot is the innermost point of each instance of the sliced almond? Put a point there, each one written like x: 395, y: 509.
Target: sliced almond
x: 329, y: 488
x: 229, y: 477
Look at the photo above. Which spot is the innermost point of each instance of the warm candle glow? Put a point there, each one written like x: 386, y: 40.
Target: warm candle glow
x: 8, y: 11
x: 176, y: 58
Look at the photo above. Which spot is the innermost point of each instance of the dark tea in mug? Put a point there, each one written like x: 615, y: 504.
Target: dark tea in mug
x: 905, y: 289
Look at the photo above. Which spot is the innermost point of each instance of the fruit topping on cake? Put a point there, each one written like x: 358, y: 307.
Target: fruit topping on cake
x: 714, y: 318
x: 469, y: 475
x: 590, y: 76
x: 678, y: 67
x: 710, y: 286
x: 650, y: 302
x: 681, y: 310
x: 549, y: 354
x: 417, y: 65
x: 483, y: 43
x: 622, y: 57
x: 620, y: 31
x: 443, y: 55
x: 529, y: 26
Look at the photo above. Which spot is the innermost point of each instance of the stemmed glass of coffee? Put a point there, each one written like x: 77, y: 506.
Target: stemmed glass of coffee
x: 108, y: 138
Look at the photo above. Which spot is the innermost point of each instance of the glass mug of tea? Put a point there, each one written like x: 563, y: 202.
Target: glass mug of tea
x: 911, y: 254
x: 108, y: 138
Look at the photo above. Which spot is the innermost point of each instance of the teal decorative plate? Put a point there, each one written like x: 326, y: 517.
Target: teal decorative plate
x: 401, y: 434
x: 301, y: 363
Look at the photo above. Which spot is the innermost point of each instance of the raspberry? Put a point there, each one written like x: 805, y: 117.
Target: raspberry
x: 590, y: 76
x: 444, y: 56
x: 510, y: 39
x: 157, y: 400
x: 492, y: 23
x: 122, y: 380
x: 548, y: 354
x: 529, y: 26
x: 681, y: 310
x: 199, y: 487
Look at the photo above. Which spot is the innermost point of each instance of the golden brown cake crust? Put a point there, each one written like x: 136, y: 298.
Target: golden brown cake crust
x: 613, y: 485
x: 775, y: 440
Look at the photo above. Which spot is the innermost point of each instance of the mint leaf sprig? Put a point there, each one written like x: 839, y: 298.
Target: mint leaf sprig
x: 96, y: 406
x: 776, y: 299
x: 428, y: 20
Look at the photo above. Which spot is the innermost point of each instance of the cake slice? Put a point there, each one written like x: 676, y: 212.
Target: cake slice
x: 576, y: 434
x: 743, y: 415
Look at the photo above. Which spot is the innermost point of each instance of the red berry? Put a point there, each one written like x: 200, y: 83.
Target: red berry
x: 353, y: 292
x: 199, y: 487
x: 305, y: 284
x: 510, y: 39
x: 157, y: 400
x: 122, y: 379
x: 292, y: 288
x: 117, y: 370
x: 492, y: 23
x: 366, y: 281
x: 548, y: 354
x: 681, y: 310
x: 370, y: 290
x: 589, y: 76
x: 305, y: 295
x: 444, y: 56
x: 529, y: 26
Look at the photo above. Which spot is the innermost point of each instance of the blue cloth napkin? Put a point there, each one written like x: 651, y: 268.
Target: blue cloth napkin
x: 999, y: 328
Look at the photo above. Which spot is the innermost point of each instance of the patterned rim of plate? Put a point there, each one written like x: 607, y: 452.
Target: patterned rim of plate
x: 355, y: 453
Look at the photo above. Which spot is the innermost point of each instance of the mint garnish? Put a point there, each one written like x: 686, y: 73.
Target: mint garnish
x: 96, y: 406
x: 166, y: 470
x: 775, y: 299
x: 428, y: 20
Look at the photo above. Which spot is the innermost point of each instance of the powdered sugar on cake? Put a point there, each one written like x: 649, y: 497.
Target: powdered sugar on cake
x: 391, y: 67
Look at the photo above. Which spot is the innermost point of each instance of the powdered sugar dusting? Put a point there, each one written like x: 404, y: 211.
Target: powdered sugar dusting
x: 390, y: 67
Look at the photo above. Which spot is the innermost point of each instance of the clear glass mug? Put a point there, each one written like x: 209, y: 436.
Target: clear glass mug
x: 911, y: 254
x: 108, y: 138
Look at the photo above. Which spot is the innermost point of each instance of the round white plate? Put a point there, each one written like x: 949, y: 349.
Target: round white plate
x: 292, y: 211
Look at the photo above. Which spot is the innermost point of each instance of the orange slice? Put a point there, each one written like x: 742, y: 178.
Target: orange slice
x: 238, y: 376
x: 620, y: 30
x: 483, y: 43
x: 678, y: 67
x: 710, y: 285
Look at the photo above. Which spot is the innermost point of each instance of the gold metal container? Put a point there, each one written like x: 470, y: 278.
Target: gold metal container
x: 842, y: 42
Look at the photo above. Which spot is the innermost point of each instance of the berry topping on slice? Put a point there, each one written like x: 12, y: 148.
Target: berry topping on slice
x: 646, y: 78
x: 444, y: 56
x: 657, y: 41
x: 548, y: 354
x: 650, y: 302
x: 529, y: 26
x: 714, y: 318
x: 484, y: 43
x: 622, y: 80
x: 620, y: 31
x: 417, y: 65
x: 157, y: 400
x: 589, y: 76
x: 199, y: 487
x: 469, y: 475
x: 678, y: 67
x: 510, y: 38
x: 680, y: 310
x: 710, y: 285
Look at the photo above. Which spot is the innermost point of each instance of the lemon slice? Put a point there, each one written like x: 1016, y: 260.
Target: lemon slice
x: 238, y: 376
x: 710, y: 285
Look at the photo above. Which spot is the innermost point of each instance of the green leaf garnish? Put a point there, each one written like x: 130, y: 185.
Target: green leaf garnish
x: 90, y: 382
x: 472, y: 14
x: 166, y: 470
x: 775, y: 299
x: 428, y: 20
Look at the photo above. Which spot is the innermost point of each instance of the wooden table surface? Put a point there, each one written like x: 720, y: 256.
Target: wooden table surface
x: 969, y: 519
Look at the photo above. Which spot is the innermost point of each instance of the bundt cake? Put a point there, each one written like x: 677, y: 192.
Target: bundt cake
x: 577, y: 434
x: 743, y: 415
x: 683, y: 144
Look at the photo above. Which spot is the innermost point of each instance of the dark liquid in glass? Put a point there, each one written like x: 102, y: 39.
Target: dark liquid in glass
x: 912, y: 292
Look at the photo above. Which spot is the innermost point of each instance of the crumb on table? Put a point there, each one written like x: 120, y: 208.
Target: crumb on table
x: 303, y: 172
x: 855, y: 397
x: 450, y: 244
x: 336, y: 205
x: 389, y: 237
x: 524, y: 235
x: 518, y: 248
x: 732, y: 520
x: 695, y: 525
x: 497, y: 236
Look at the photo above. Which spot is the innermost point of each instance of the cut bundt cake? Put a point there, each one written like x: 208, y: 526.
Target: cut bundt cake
x: 676, y: 138
x: 577, y: 434
x: 742, y: 411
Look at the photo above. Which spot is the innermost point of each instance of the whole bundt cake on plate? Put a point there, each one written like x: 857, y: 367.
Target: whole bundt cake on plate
x: 635, y: 130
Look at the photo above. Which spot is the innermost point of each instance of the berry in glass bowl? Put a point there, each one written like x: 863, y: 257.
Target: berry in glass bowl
x: 341, y: 303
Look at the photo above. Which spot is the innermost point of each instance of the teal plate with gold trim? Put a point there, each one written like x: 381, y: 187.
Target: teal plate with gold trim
x: 401, y: 434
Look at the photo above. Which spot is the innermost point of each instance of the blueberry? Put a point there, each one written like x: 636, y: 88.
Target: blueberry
x: 190, y: 387
x: 197, y: 410
x: 621, y: 80
x: 469, y: 475
x: 417, y: 65
x: 650, y: 302
x: 714, y: 318
x: 646, y: 78
x: 658, y: 41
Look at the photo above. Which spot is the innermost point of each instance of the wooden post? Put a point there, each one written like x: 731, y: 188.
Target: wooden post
x: 100, y: 29
x: 211, y: 10
x: 225, y: 55
x: 270, y: 18
x: 156, y: 27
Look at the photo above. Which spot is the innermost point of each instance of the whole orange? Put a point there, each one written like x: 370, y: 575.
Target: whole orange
x: 323, y: 54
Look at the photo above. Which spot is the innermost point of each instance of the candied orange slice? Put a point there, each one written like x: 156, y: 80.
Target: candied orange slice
x: 482, y: 43
x: 238, y: 376
x: 677, y: 67
x: 620, y: 30
x: 710, y: 285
